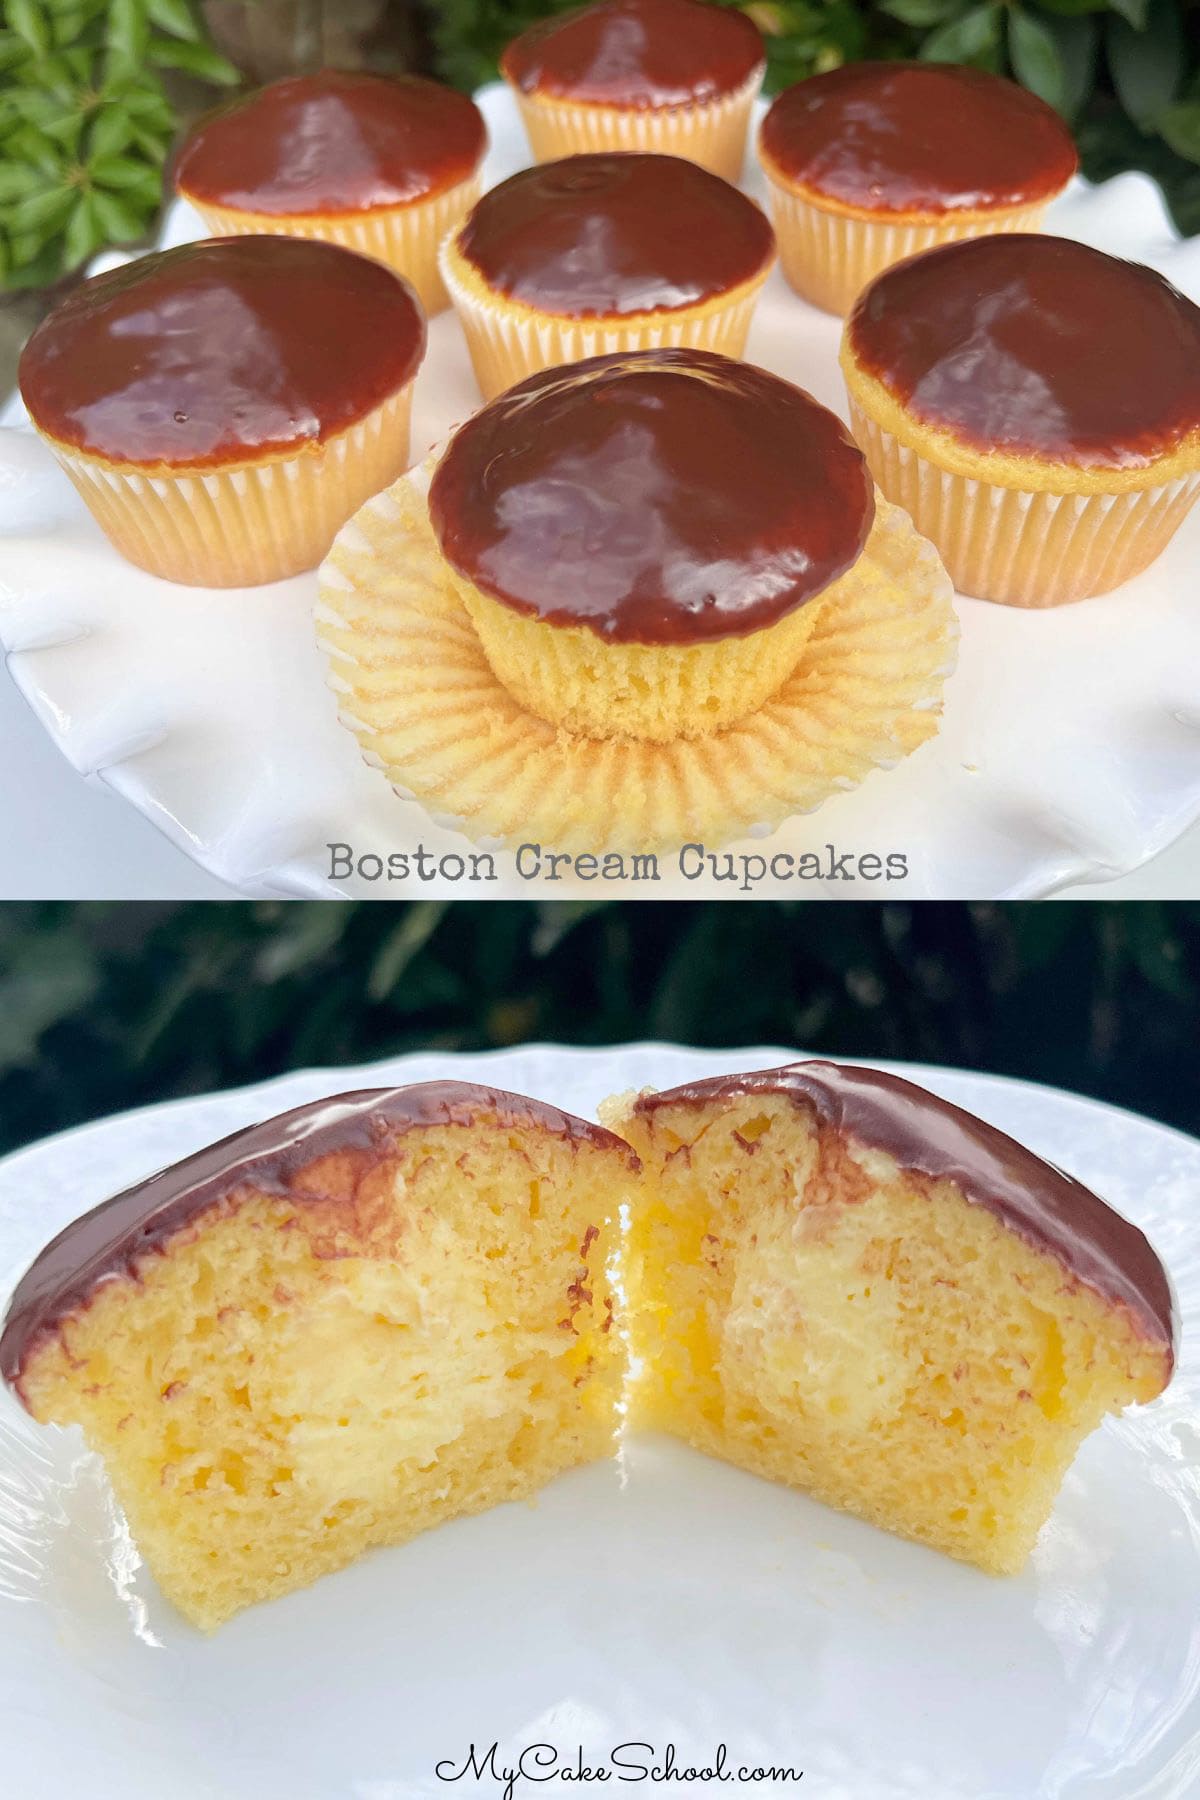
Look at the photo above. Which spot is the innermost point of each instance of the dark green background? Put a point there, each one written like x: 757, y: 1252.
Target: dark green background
x: 104, y: 1007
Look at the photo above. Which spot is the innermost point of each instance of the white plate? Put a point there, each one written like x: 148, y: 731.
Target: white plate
x: 666, y: 1600
x: 1070, y: 748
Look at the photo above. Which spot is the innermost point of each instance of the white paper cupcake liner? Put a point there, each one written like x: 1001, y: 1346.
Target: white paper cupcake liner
x: 507, y: 342
x: 1023, y: 547
x: 711, y: 133
x: 830, y: 257
x: 406, y: 238
x: 239, y: 527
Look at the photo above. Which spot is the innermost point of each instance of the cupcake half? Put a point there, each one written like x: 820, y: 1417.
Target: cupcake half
x: 644, y: 542
x: 876, y: 161
x: 382, y: 164
x: 676, y: 76
x: 597, y: 254
x: 1035, y: 406
x: 224, y: 407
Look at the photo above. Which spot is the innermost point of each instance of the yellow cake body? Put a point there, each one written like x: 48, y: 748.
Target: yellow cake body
x: 830, y: 251
x: 509, y: 340
x: 248, y: 522
x: 406, y: 237
x: 294, y: 1378
x: 1022, y: 530
x: 806, y: 1309
x: 657, y: 693
x: 712, y: 133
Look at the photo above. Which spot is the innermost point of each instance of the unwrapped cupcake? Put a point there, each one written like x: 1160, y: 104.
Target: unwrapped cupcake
x: 382, y: 164
x: 1034, y: 405
x: 677, y: 76
x: 224, y: 407
x: 596, y: 254
x: 875, y: 161
x: 644, y: 542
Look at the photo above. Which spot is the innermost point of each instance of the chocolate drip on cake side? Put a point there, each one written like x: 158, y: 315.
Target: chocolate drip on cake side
x: 931, y: 1137
x: 267, y: 1157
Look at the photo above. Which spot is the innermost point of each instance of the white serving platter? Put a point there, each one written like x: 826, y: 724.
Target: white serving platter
x: 662, y: 1600
x: 1069, y: 751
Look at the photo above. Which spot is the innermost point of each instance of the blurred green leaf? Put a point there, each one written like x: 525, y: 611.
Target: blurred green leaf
x: 1146, y: 66
x: 1035, y: 57
x: 966, y: 38
x: 1180, y: 126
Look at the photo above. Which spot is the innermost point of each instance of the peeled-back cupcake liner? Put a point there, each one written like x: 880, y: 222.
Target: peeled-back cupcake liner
x: 1026, y: 547
x: 406, y: 238
x: 711, y: 132
x: 416, y: 689
x: 508, y: 341
x: 829, y: 257
x: 245, y: 525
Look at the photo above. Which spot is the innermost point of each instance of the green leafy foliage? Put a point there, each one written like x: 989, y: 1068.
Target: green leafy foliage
x: 85, y: 124
x: 106, y: 1007
x: 1124, y: 73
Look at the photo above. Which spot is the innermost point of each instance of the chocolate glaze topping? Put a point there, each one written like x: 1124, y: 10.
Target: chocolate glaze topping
x: 613, y: 235
x: 219, y: 350
x: 1036, y: 345
x: 930, y: 1137
x: 266, y: 1158
x: 636, y: 53
x: 332, y: 143
x: 655, y: 497
x: 917, y: 137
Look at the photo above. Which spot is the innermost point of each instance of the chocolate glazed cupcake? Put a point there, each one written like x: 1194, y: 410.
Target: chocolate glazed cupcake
x: 381, y: 164
x: 878, y: 160
x: 644, y: 542
x: 224, y: 407
x: 1035, y: 406
x: 675, y: 76
x: 598, y: 254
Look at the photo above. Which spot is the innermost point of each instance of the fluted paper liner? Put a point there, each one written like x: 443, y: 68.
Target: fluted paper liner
x: 415, y: 688
x: 709, y: 132
x: 829, y: 257
x: 250, y: 522
x: 508, y: 341
x: 1021, y: 547
x: 406, y: 238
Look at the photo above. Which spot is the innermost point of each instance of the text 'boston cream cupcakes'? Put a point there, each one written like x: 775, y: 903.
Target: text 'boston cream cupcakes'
x: 875, y: 161
x: 677, y: 76
x: 596, y: 254
x: 224, y: 407
x: 382, y: 164
x: 1035, y: 406
x: 644, y: 542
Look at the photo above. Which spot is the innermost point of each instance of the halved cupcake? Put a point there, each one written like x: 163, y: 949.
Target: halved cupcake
x: 382, y: 164
x: 839, y: 1281
x: 332, y: 1331
x: 224, y: 407
x: 1034, y: 405
x: 875, y: 161
x: 644, y: 541
x: 597, y: 254
x: 676, y: 76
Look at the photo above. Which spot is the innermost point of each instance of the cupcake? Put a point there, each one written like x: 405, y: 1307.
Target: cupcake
x: 878, y: 160
x: 644, y: 542
x: 839, y: 1281
x: 332, y: 1331
x: 597, y: 254
x: 224, y: 407
x: 1035, y: 406
x: 382, y: 164
x: 676, y: 76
